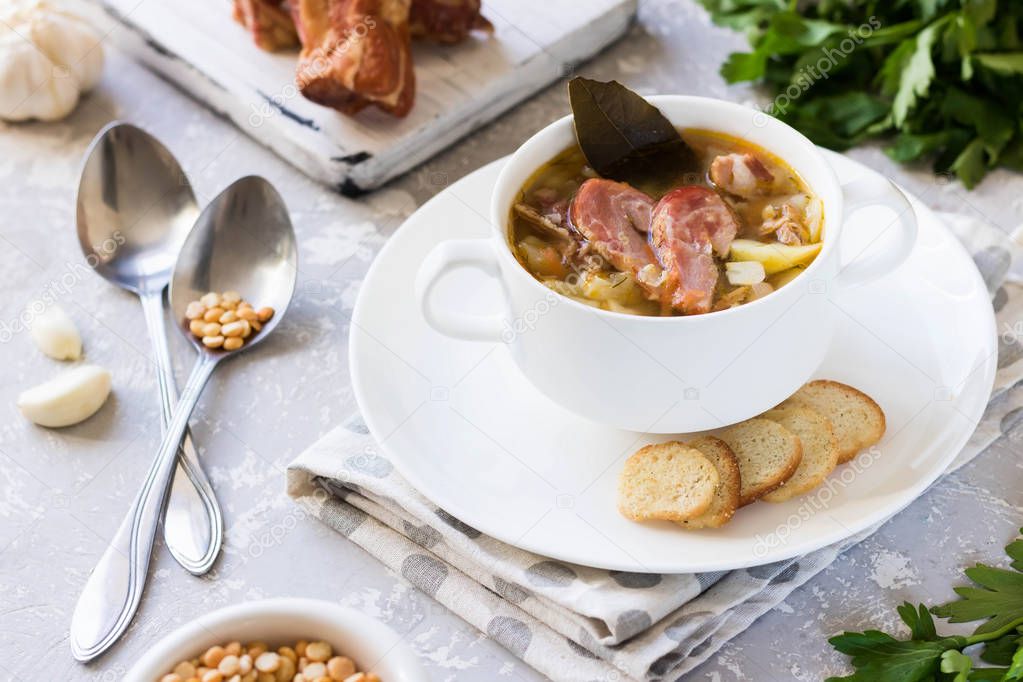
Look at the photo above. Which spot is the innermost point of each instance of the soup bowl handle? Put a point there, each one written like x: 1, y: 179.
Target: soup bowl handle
x: 876, y: 190
x: 446, y: 256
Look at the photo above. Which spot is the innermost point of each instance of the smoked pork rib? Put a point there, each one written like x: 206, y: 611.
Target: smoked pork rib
x: 269, y: 22
x: 447, y: 21
x: 355, y: 53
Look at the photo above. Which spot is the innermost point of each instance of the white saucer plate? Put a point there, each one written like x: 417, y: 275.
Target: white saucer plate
x: 465, y: 428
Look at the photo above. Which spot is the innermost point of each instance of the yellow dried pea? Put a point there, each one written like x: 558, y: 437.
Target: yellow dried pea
x: 245, y: 661
x: 225, y: 321
x: 213, y: 656
x: 229, y: 665
x: 247, y: 313
x: 257, y: 662
x: 268, y: 662
x: 195, y: 310
x: 213, y: 314
x: 340, y: 667
x: 236, y: 328
x: 286, y: 671
x: 185, y: 669
x: 315, y: 671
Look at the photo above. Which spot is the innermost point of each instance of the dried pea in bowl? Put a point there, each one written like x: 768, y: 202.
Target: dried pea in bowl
x: 372, y: 646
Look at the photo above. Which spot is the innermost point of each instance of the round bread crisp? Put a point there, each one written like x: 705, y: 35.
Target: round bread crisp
x: 820, y: 450
x: 768, y: 455
x: 858, y: 421
x: 666, y: 481
x: 726, y: 497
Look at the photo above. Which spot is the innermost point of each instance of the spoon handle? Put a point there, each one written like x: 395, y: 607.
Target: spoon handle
x: 193, y: 523
x: 114, y: 589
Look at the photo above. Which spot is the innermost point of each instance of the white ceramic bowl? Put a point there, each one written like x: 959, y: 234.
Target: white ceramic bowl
x: 672, y: 374
x: 372, y: 645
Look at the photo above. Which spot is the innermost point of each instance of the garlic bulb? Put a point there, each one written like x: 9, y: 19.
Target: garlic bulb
x: 56, y: 334
x: 68, y: 398
x: 48, y: 57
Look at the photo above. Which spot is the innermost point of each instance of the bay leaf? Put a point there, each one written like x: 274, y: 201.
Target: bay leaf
x: 625, y: 138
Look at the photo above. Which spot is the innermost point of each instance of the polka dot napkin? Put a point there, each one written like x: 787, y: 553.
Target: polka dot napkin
x: 577, y: 623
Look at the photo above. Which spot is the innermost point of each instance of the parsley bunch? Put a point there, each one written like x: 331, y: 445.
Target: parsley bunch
x: 939, y: 79
x: 996, y: 598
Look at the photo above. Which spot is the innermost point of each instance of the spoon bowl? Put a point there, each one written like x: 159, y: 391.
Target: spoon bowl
x: 244, y: 242
x: 134, y: 208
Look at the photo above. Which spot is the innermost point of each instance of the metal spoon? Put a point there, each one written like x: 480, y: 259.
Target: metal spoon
x: 135, y: 207
x: 243, y: 241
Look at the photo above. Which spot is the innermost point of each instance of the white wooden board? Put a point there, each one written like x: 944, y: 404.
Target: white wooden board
x: 197, y: 45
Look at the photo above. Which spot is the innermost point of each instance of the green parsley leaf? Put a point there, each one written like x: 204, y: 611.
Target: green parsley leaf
x: 953, y: 661
x: 980, y: 12
x: 1008, y: 63
x: 1015, y: 551
x: 988, y: 675
x: 879, y: 657
x: 1015, y: 671
x: 917, y: 73
x: 919, y: 620
x: 791, y: 33
x: 909, y: 147
x: 999, y: 597
x: 836, y: 121
x: 993, y: 126
x: 893, y: 34
x: 970, y: 167
x: 743, y: 15
x: 744, y: 66
x: 1001, y: 650
x: 930, y: 8
x: 890, y: 75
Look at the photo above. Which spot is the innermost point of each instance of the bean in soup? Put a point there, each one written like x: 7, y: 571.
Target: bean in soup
x: 740, y: 226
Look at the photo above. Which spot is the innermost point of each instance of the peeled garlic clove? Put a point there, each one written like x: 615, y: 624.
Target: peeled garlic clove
x: 68, y: 398
x: 56, y: 334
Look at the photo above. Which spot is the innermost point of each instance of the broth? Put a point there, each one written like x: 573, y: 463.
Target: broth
x: 741, y: 225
